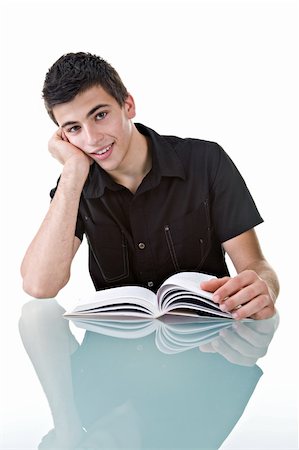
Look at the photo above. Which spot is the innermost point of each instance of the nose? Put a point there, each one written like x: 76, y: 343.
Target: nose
x: 93, y: 136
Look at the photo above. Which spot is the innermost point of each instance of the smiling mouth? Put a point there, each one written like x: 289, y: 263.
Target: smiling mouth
x: 104, y: 150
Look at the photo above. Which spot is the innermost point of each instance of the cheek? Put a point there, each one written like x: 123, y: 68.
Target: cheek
x: 77, y: 141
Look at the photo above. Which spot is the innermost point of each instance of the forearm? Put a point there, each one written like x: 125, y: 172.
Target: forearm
x: 46, y: 265
x: 49, y: 344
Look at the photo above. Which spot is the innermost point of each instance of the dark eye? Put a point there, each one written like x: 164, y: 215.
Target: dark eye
x: 73, y: 129
x: 101, y: 115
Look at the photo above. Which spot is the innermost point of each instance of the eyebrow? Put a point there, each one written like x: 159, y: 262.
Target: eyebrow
x: 93, y: 110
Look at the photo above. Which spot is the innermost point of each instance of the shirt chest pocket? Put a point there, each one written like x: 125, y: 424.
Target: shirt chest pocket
x: 187, y: 239
x: 108, y: 251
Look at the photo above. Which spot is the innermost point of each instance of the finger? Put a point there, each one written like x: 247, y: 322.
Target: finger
x: 246, y: 332
x: 235, y: 284
x: 244, y: 295
x: 214, y: 284
x: 249, y: 332
x: 229, y: 288
x: 265, y: 313
x: 245, y: 348
x: 257, y: 308
x: 207, y: 348
x: 232, y: 355
x: 267, y: 326
x: 63, y: 135
x: 58, y: 133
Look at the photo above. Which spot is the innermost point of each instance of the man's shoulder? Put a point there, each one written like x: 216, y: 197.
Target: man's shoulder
x: 177, y: 142
x: 191, y: 143
x: 195, y: 149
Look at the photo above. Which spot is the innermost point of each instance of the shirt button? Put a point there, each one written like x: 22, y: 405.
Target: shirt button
x: 141, y: 245
x: 150, y: 284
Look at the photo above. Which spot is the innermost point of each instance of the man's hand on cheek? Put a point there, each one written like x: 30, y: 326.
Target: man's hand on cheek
x: 62, y: 150
x: 245, y: 295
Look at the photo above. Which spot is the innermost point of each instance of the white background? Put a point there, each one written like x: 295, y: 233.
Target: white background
x: 225, y: 71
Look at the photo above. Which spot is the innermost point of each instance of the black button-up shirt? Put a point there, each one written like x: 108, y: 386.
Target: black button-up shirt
x: 191, y: 201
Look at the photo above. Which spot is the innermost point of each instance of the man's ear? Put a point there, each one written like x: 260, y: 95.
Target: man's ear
x: 129, y: 107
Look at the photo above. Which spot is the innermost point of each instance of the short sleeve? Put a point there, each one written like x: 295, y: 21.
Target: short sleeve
x: 233, y: 208
x: 79, y: 231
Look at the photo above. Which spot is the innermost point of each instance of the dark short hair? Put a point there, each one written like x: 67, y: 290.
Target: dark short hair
x: 74, y: 73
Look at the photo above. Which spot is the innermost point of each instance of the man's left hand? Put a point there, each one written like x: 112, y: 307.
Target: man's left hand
x: 245, y: 295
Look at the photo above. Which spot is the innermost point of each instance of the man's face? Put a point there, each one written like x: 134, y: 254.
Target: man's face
x: 95, y: 123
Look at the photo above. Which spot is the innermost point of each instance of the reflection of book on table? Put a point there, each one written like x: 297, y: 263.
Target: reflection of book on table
x: 172, y: 334
x: 180, y: 294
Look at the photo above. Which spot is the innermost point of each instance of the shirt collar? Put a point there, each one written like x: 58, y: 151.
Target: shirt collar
x: 165, y: 163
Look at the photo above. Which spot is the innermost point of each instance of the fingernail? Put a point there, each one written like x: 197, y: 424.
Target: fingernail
x: 223, y: 307
x: 216, y: 298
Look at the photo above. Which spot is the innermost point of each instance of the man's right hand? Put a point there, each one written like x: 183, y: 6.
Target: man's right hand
x: 46, y: 265
x: 62, y: 150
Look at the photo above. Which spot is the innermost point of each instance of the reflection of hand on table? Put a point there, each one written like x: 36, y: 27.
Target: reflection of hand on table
x: 245, y: 342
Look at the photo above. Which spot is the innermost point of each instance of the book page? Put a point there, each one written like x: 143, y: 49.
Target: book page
x: 134, y: 297
x: 189, y: 281
x: 122, y: 328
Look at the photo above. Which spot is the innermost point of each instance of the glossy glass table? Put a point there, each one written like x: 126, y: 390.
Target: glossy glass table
x: 163, y: 384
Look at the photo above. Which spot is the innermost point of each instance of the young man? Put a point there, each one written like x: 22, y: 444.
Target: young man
x: 149, y: 205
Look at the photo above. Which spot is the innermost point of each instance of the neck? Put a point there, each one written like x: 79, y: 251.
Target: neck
x: 138, y: 164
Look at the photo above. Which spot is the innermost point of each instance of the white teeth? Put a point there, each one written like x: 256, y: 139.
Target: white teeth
x: 101, y: 152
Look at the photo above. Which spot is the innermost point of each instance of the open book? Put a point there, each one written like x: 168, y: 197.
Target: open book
x: 172, y: 334
x: 180, y: 294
